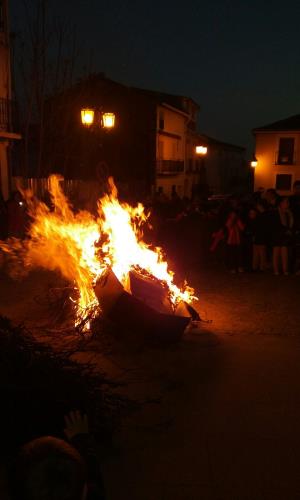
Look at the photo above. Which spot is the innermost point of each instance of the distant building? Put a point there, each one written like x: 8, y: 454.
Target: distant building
x: 145, y: 152
x: 277, y: 150
x: 7, y: 107
x: 175, y: 128
x: 224, y: 168
x: 151, y: 148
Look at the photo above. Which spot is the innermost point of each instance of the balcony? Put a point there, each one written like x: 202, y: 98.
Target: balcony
x: 8, y: 116
x: 285, y: 159
x: 169, y: 167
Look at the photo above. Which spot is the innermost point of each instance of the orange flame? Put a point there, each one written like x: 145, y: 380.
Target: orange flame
x: 81, y: 248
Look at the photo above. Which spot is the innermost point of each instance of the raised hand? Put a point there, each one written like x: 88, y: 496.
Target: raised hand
x: 76, y: 424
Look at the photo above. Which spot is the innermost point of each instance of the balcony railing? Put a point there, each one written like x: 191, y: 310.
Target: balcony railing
x: 169, y: 166
x: 285, y: 159
x: 8, y: 116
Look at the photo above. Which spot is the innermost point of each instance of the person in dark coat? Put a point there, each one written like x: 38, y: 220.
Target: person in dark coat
x: 247, y: 238
x: 295, y: 247
x: 260, y: 237
x: 281, y: 225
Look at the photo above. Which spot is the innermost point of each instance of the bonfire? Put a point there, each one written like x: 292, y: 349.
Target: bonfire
x: 84, y: 247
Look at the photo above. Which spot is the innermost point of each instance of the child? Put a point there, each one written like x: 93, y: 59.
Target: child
x: 235, y: 228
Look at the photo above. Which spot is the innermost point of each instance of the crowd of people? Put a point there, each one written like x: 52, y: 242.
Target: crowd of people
x: 256, y: 232
x: 253, y: 233
x: 261, y: 232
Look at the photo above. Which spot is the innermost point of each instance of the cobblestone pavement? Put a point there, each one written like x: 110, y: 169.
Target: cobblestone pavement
x: 221, y: 418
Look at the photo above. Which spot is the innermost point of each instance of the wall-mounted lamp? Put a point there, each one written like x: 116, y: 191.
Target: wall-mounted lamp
x: 254, y: 162
x: 201, y: 150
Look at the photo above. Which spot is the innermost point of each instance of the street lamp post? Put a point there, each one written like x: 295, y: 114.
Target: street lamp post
x: 95, y: 120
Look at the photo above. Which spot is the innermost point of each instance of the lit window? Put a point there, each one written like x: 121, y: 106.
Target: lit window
x: 286, y: 151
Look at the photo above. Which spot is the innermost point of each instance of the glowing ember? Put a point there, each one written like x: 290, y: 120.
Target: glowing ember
x: 82, y: 247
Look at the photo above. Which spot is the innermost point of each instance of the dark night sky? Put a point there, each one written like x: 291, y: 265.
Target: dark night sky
x: 240, y: 60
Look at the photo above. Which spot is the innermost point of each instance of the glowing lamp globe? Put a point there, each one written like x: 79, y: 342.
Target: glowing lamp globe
x: 108, y: 120
x: 87, y: 117
x: 254, y: 163
x: 201, y: 150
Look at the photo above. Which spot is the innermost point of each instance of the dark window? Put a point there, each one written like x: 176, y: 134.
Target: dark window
x: 161, y: 121
x: 286, y: 151
x: 283, y: 182
x: 2, y: 16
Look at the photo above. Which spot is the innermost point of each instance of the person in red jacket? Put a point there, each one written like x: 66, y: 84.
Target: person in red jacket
x: 235, y: 228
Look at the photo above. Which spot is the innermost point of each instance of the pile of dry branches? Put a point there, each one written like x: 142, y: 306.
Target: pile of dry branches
x: 40, y: 385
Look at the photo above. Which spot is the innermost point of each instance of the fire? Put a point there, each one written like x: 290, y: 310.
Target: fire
x: 81, y: 247
x: 126, y: 249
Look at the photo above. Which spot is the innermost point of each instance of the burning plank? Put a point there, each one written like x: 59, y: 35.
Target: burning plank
x: 130, y: 313
x: 151, y: 291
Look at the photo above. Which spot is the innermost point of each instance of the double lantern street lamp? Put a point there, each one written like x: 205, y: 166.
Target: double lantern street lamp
x: 93, y: 120
x: 107, y: 120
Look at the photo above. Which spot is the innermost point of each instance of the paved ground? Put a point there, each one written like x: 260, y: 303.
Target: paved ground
x: 222, y: 413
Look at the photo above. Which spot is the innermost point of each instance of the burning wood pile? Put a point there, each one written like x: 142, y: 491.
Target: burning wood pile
x: 115, y: 274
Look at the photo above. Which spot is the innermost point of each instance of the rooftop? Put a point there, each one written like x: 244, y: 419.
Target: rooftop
x: 291, y: 123
x: 99, y: 84
x: 225, y: 145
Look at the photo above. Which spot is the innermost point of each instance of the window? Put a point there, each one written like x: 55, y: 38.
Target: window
x: 161, y: 123
x: 1, y: 16
x: 174, y: 150
x: 160, y: 150
x: 283, y: 182
x: 286, y: 151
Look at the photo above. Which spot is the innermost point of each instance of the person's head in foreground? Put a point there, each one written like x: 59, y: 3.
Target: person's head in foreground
x: 49, y: 469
